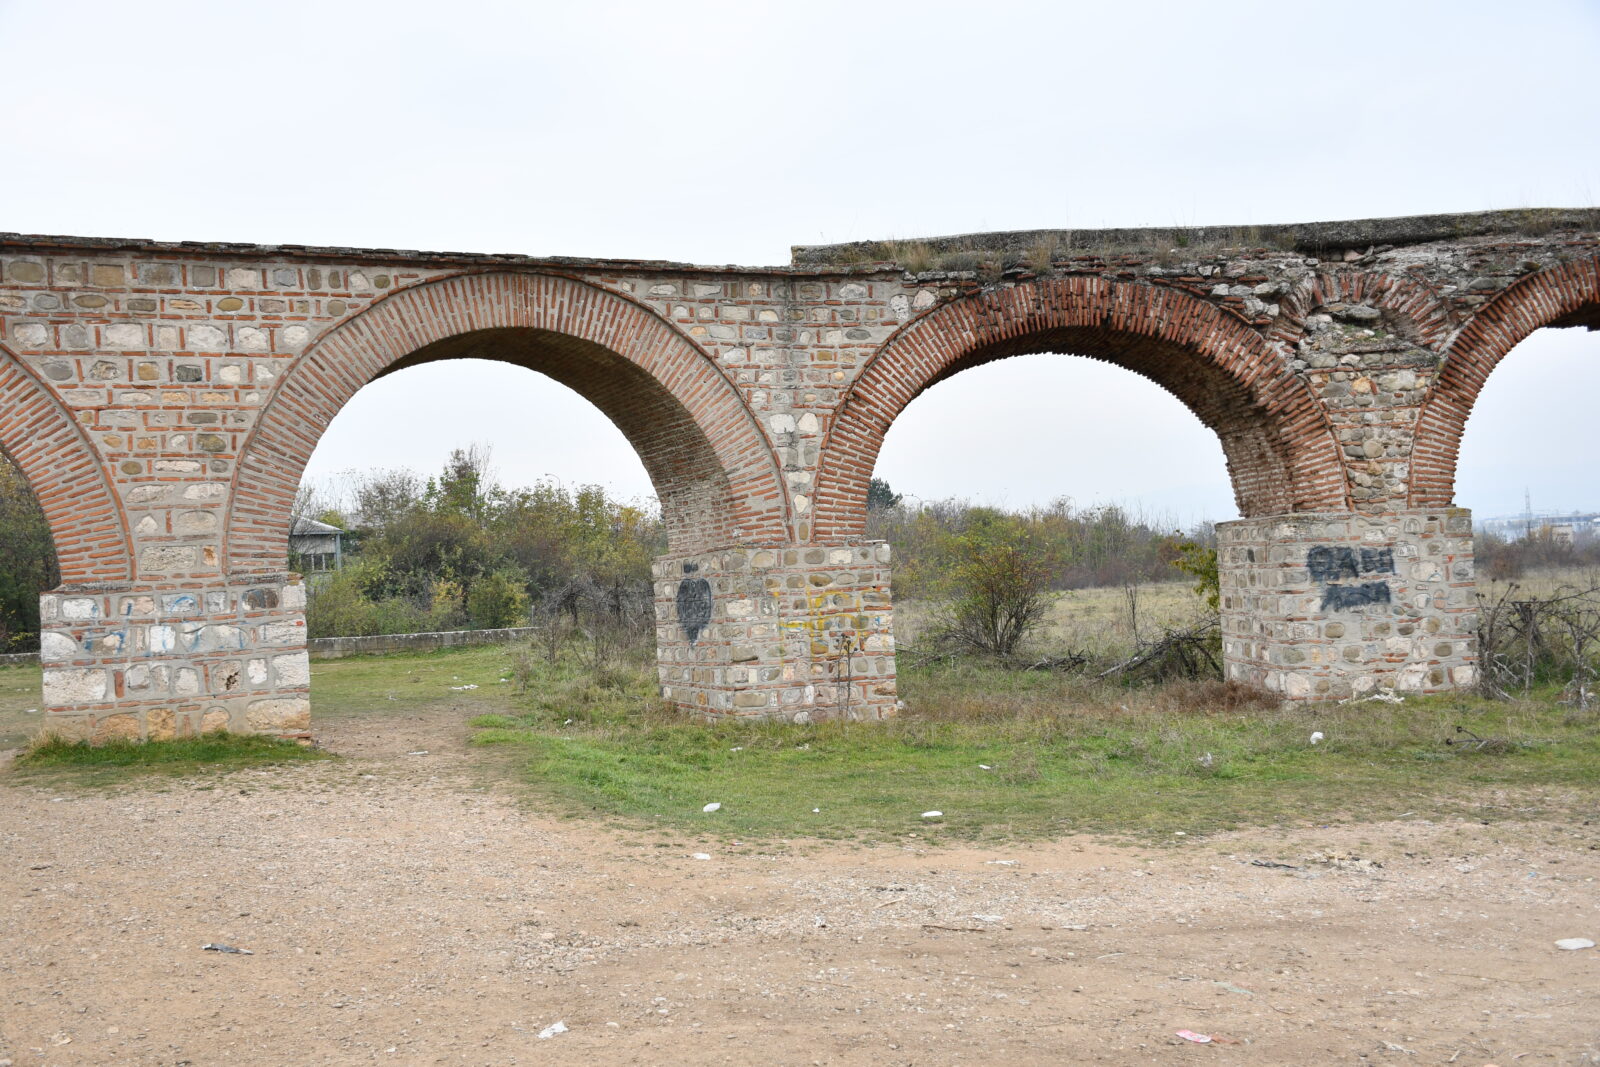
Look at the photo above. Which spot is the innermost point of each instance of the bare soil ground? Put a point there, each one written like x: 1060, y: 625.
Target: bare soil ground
x: 400, y: 910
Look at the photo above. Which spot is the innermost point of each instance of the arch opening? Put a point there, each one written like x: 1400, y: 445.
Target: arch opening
x: 691, y: 486
x: 28, y: 564
x: 1531, y: 435
x: 1049, y: 427
x: 714, y: 478
x: 1562, y: 297
x: 1280, y: 452
x: 476, y: 522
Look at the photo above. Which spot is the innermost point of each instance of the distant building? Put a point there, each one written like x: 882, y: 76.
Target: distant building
x: 316, y: 545
x: 1559, y: 528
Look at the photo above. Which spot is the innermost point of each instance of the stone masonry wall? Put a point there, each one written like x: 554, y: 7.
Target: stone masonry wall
x: 176, y: 660
x: 1332, y: 606
x: 778, y: 631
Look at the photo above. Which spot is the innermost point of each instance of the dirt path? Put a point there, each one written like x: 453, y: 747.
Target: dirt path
x: 399, y: 913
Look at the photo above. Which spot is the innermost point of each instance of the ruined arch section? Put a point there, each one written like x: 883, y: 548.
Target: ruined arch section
x: 1563, y: 296
x: 86, y: 520
x: 713, y: 471
x: 1281, y: 454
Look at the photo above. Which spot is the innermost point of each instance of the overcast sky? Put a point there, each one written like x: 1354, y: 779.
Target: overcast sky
x: 725, y: 132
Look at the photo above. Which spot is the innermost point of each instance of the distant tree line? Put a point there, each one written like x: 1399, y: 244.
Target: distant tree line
x: 1543, y: 549
x: 1070, y: 547
x: 460, y: 551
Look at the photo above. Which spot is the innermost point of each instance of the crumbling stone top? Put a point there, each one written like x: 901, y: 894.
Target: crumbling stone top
x: 1318, y: 238
x: 48, y: 243
x: 956, y: 252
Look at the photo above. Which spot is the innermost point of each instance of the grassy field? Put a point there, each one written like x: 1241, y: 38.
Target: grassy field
x: 20, y: 703
x: 1000, y: 753
x: 1003, y: 754
x: 1099, y: 622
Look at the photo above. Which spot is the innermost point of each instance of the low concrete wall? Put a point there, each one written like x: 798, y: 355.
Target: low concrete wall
x: 335, y: 647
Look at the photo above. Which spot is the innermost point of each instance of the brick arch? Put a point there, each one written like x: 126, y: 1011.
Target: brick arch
x: 713, y: 469
x: 40, y: 436
x: 1567, y: 295
x: 1281, y: 453
x: 1422, y: 316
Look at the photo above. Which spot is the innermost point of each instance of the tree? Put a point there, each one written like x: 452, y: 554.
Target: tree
x: 1199, y: 562
x: 384, y: 497
x: 498, y: 599
x: 880, y: 496
x: 997, y: 584
x: 27, y: 561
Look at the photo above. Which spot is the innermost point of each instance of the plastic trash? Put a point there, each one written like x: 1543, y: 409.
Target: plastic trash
x: 713, y: 806
x: 1199, y: 1039
x: 552, y: 1030
x: 1316, y: 736
x: 933, y: 815
x: 211, y: 947
x: 700, y: 856
x: 1573, y: 944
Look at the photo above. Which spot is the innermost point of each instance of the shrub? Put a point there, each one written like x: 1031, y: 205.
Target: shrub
x: 998, y: 588
x: 498, y: 599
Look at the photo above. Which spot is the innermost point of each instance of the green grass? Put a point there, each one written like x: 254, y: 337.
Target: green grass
x: 1097, y: 621
x: 1061, y: 757
x: 115, y: 761
x: 21, y: 704
x: 1064, y: 756
x: 358, y: 687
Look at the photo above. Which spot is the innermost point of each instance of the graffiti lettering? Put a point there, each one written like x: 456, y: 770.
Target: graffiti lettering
x: 1329, y: 563
x: 1345, y: 597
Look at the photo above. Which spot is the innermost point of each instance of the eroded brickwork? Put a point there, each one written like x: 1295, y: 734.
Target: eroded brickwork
x: 163, y: 399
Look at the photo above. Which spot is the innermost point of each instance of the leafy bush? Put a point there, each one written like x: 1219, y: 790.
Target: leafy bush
x: 498, y: 599
x: 997, y: 584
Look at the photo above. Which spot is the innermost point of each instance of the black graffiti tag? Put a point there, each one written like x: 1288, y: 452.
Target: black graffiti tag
x: 694, y: 607
x: 1345, y: 597
x: 1330, y: 563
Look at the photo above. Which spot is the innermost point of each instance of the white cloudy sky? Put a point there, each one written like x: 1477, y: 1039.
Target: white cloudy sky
x: 725, y: 132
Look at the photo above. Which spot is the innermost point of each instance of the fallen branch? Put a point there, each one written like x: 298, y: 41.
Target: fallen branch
x: 1187, y: 644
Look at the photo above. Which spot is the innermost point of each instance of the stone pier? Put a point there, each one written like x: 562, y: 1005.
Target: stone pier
x: 1330, y: 606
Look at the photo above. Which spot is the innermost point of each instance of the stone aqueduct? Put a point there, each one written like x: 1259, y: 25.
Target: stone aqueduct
x: 163, y: 399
